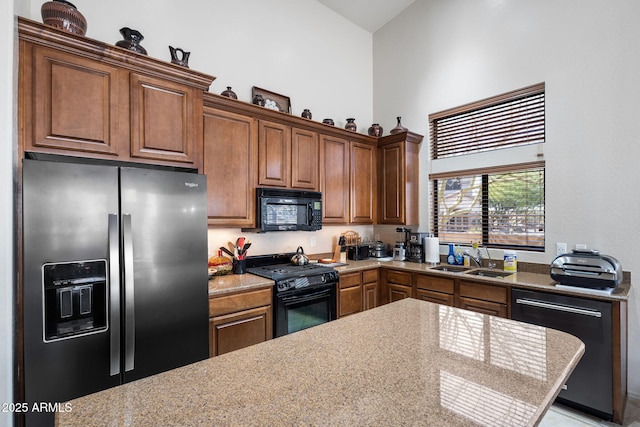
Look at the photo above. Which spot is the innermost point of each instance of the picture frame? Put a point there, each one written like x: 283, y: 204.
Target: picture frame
x: 273, y: 101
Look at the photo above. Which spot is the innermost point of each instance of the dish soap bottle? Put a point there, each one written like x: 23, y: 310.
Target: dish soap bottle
x: 451, y: 258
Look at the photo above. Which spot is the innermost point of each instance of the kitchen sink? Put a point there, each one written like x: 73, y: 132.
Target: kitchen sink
x: 488, y: 273
x: 450, y: 268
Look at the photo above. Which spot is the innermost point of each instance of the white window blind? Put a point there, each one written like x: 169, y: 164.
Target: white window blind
x: 511, y: 119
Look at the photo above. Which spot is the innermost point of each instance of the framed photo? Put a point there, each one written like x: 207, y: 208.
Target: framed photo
x: 272, y: 100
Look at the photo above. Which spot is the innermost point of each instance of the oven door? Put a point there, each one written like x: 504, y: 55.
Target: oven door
x: 299, y: 309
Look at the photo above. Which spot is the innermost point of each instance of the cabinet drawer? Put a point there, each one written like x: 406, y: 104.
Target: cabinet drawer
x: 439, y: 284
x: 497, y: 294
x: 370, y: 276
x: 350, y: 279
x: 237, y: 302
x: 436, y: 297
x: 399, y: 277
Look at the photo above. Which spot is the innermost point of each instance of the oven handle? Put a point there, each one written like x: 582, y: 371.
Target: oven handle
x: 305, y: 298
x: 557, y: 307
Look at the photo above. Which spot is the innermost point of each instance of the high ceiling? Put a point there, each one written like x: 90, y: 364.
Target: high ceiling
x: 368, y: 14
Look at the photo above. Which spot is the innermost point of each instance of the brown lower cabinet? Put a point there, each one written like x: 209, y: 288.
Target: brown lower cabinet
x: 357, y: 291
x: 239, y: 320
x: 396, y: 285
x: 483, y: 298
x: 435, y: 289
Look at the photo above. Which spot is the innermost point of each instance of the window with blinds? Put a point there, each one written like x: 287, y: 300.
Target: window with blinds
x: 507, y: 120
x: 501, y: 205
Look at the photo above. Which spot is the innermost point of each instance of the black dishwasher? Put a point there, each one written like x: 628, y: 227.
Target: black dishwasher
x: 590, y: 386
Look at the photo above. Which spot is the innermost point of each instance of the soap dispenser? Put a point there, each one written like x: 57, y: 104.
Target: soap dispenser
x: 451, y: 258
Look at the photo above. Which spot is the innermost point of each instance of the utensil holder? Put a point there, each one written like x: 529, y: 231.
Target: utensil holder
x: 239, y: 266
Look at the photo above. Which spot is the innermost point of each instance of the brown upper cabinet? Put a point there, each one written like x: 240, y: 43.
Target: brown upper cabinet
x: 81, y: 97
x: 288, y: 157
x: 230, y: 163
x: 399, y: 178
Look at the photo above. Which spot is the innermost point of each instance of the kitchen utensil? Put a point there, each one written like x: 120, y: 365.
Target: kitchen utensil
x: 299, y: 258
x: 226, y: 251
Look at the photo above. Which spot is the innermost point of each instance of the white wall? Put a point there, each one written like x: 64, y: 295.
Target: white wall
x: 439, y: 54
x: 7, y: 156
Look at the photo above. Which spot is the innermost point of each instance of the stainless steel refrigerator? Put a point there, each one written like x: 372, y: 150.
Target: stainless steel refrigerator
x: 115, y: 277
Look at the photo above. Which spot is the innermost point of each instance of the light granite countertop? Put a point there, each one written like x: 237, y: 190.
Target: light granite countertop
x: 410, y: 362
x: 536, y: 279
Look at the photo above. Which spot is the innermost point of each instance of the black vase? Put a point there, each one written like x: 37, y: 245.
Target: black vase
x: 351, y: 125
x: 229, y: 93
x: 132, y: 39
x: 375, y: 130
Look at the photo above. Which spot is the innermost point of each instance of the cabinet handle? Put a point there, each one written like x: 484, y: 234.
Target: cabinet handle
x: 130, y: 325
x: 114, y: 295
x: 558, y: 307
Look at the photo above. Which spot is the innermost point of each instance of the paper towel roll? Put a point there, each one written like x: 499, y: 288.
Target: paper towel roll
x: 431, y: 247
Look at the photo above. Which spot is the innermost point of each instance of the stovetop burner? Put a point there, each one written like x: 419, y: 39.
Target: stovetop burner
x: 278, y: 267
x: 285, y: 271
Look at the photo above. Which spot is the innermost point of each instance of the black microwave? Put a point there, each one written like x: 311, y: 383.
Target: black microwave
x: 288, y: 210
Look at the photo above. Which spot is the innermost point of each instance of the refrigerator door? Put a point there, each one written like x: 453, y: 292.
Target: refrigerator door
x: 66, y: 211
x: 164, y: 225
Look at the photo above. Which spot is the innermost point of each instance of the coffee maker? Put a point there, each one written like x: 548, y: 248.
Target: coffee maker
x: 415, y: 248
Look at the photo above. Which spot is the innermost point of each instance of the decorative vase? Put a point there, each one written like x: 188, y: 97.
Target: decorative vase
x: 328, y: 122
x: 399, y: 128
x: 375, y: 130
x: 64, y: 15
x: 132, y: 39
x: 179, y: 56
x: 306, y: 114
x: 229, y: 93
x: 258, y: 100
x: 351, y: 125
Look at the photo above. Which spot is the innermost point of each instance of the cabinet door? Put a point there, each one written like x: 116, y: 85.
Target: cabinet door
x: 73, y: 103
x: 369, y: 295
x: 350, y: 300
x: 230, y: 163
x: 238, y: 330
x: 363, y: 183
x: 398, y: 292
x: 166, y: 120
x: 305, y: 151
x: 391, y: 188
x: 274, y: 154
x: 334, y: 179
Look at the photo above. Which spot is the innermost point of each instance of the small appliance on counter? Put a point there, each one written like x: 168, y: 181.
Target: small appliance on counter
x: 358, y: 252
x: 588, y: 269
x: 415, y: 247
x: 379, y: 250
x: 400, y: 250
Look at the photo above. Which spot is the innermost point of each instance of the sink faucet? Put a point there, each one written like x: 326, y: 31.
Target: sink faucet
x: 478, y: 258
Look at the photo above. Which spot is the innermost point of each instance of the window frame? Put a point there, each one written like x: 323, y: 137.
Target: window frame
x: 463, y: 159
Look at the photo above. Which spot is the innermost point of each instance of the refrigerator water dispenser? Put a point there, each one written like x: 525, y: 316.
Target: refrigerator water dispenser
x: 75, y: 299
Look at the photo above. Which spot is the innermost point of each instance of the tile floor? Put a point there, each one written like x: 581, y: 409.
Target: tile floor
x: 561, y: 416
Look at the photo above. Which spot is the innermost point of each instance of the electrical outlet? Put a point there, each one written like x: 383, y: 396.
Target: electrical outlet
x: 313, y: 241
x: 561, y: 248
x: 377, y: 237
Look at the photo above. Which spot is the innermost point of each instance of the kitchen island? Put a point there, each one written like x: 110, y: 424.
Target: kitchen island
x: 409, y: 362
